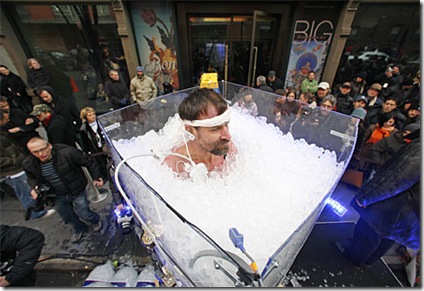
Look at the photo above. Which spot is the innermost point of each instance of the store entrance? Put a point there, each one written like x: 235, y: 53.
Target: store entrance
x: 238, y: 48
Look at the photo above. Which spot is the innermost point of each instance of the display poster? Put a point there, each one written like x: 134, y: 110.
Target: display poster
x: 309, y: 48
x: 154, y: 30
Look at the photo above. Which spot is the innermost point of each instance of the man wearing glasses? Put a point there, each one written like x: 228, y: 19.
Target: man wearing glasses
x: 59, y: 166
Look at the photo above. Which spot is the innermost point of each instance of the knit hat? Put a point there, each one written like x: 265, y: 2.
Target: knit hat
x: 414, y: 105
x: 140, y: 69
x: 359, y: 113
x: 40, y: 108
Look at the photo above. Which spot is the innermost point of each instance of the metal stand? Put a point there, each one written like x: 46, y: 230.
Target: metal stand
x: 95, y: 195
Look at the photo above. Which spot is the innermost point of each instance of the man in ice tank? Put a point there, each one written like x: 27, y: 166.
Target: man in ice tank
x: 207, y: 141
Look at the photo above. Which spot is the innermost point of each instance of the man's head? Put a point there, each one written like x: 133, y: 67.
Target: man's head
x: 311, y: 75
x: 389, y: 104
x: 329, y: 103
x: 140, y: 71
x: 396, y: 70
x: 206, y: 115
x: 114, y: 75
x: 345, y: 88
x: 359, y: 113
x: 46, y: 93
x: 4, y: 105
x: 323, y: 89
x: 4, y: 70
x: 374, y: 90
x: 260, y: 80
x: 271, y: 76
x: 360, y: 101
x: 414, y: 111
x: 41, y: 111
x: 411, y: 128
x: 4, y: 117
x: 40, y: 148
x: 34, y: 64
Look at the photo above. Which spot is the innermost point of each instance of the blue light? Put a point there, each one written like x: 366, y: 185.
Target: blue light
x: 338, y: 209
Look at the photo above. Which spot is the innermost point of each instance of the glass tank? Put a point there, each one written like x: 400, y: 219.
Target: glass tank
x: 245, y: 224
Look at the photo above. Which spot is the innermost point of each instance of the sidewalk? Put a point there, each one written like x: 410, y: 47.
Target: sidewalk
x: 63, y: 263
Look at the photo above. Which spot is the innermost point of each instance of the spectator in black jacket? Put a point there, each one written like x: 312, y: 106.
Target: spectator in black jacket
x: 274, y: 82
x: 389, y: 208
x: 21, y: 126
x: 117, y: 90
x: 14, y: 89
x: 389, y: 105
x: 58, y: 130
x: 60, y: 167
x: 344, y: 99
x: 22, y: 246
x: 37, y: 75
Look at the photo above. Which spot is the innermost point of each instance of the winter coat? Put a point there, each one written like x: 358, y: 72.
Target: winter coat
x: 384, y: 149
x: 67, y: 161
x: 91, y: 147
x: 38, y: 78
x: 344, y: 103
x: 392, y: 197
x: 27, y: 131
x: 277, y: 84
x: 11, y: 156
x: 59, y: 131
x: 14, y: 89
x: 142, y: 89
x: 68, y: 110
x: 117, y: 91
x: 309, y: 85
x: 23, y: 245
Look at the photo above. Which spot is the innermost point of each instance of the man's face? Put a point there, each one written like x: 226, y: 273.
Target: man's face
x: 5, y: 106
x: 214, y: 140
x: 344, y: 90
x: 46, y: 96
x: 42, y: 116
x: 321, y: 93
x: 5, y: 119
x: 271, y: 79
x: 396, y: 70
x: 41, y: 150
x: 359, y: 104
x: 372, y: 93
x: 114, y: 76
x: 328, y: 106
x: 140, y: 74
x: 412, y: 113
x: 4, y: 71
x: 389, y: 105
x: 311, y: 76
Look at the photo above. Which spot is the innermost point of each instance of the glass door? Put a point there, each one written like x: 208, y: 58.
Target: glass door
x: 261, y: 45
x: 223, y: 44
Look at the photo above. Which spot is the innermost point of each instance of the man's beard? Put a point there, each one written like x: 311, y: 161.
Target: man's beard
x: 220, y: 148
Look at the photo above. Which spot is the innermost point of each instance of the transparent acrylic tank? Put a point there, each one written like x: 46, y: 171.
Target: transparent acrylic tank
x: 200, y: 261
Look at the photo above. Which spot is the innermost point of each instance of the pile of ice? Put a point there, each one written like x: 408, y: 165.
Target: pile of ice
x: 266, y: 192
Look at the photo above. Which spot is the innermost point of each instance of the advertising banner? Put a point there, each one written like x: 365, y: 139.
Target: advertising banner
x: 154, y: 29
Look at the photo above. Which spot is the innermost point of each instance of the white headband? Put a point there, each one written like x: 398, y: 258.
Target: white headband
x: 211, y: 122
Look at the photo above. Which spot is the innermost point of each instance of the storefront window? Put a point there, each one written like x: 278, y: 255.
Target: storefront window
x: 382, y: 35
x: 69, y: 41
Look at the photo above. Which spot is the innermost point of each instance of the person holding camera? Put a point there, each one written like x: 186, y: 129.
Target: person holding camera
x: 12, y: 173
x: 20, y: 249
x: 59, y: 166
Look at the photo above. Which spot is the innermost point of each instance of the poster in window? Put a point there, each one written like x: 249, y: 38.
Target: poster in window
x: 156, y: 41
x: 309, y: 49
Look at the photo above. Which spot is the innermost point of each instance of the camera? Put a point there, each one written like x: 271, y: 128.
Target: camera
x: 44, y: 197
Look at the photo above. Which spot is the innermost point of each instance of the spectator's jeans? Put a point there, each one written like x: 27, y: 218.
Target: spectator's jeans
x: 20, y: 185
x: 72, y: 208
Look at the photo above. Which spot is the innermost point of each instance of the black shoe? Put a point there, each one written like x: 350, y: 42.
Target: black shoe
x: 76, y: 237
x: 342, y: 249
